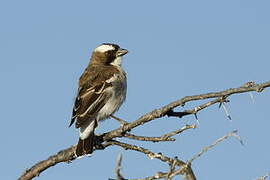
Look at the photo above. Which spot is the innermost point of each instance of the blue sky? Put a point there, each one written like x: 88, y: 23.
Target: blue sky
x: 177, y: 48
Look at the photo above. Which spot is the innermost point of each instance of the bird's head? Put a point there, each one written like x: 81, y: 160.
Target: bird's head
x: 108, y: 54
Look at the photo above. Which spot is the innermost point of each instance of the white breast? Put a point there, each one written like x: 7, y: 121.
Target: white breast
x: 117, y: 95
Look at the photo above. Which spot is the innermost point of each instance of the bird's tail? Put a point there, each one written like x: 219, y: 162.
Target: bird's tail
x: 85, y: 146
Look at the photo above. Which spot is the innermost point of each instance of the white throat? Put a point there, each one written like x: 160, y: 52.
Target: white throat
x: 117, y: 61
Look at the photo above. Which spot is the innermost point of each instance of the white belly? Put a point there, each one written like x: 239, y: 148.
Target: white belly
x: 118, y: 96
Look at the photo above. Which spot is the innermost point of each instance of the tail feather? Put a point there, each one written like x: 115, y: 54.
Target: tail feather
x: 85, y: 146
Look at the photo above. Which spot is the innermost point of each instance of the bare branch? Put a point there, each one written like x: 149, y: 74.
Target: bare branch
x: 165, y: 137
x: 194, y: 110
x: 162, y: 175
x: 205, y: 149
x: 118, y: 168
x: 145, y: 138
x: 186, y: 170
x: 67, y: 155
x: 158, y: 175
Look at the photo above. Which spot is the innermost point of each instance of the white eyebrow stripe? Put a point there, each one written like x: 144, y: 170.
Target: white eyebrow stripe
x: 104, y: 48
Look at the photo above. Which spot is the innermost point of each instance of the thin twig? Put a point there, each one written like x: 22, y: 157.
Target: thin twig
x: 118, y: 168
x: 205, y: 149
x: 186, y: 168
x: 158, y: 175
x: 172, y: 166
x: 162, y: 175
x: 165, y: 137
x: 194, y: 110
x: 145, y: 138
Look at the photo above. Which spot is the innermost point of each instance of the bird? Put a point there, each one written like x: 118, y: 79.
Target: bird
x: 101, y: 91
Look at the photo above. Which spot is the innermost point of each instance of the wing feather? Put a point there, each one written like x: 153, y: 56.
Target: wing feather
x: 92, y: 95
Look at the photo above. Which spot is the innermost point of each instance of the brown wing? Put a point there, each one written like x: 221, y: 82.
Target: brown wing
x: 91, y: 93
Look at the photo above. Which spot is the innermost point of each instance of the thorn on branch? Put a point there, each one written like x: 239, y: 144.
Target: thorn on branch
x: 226, y: 111
x: 222, y: 104
x: 196, y: 117
x: 251, y: 96
x: 197, y: 120
x: 222, y: 100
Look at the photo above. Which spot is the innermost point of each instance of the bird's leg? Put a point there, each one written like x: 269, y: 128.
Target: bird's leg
x: 123, y: 122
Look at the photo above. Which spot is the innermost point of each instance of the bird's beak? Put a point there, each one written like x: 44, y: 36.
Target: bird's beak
x: 121, y: 52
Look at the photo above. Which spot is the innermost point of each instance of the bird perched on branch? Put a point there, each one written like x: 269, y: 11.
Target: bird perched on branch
x: 101, y: 91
